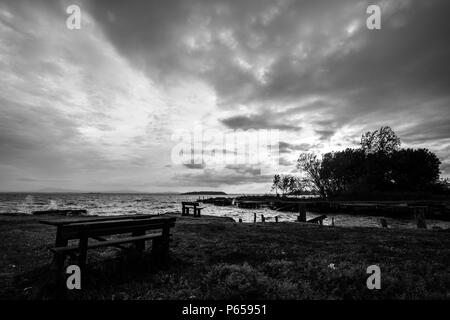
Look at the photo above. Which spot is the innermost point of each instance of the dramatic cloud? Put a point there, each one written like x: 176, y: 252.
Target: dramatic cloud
x: 285, y: 147
x: 217, y: 178
x: 97, y: 108
x: 261, y: 121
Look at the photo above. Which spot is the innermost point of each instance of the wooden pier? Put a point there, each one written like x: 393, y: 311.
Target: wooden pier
x: 439, y: 210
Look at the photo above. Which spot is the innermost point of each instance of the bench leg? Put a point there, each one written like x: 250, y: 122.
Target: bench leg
x: 160, y: 248
x: 82, y: 256
x: 58, y: 266
x: 58, y: 261
x: 140, y: 244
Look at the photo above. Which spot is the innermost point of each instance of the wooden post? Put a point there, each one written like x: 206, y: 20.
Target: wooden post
x: 419, y: 215
x: 254, y: 217
x: 384, y: 223
x: 59, y: 259
x: 301, y: 214
x: 332, y: 221
x: 263, y: 219
x: 276, y: 219
x: 240, y: 220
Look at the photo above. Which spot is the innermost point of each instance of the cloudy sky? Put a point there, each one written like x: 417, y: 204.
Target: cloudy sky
x: 97, y: 109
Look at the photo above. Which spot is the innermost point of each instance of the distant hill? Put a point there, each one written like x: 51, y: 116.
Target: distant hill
x: 204, y: 192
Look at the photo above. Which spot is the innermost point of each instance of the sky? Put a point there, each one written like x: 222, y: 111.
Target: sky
x: 103, y: 107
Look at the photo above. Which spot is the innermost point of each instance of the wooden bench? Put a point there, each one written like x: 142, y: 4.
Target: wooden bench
x: 185, y: 206
x: 97, y: 228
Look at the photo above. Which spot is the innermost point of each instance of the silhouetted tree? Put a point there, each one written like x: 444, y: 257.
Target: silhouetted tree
x: 414, y: 169
x: 310, y: 164
x: 378, y: 167
x: 276, y: 183
x: 343, y: 171
x: 383, y: 141
x: 285, y: 184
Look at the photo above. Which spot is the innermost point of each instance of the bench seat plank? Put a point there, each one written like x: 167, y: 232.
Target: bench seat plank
x: 63, y: 221
x: 107, y: 243
x: 73, y: 231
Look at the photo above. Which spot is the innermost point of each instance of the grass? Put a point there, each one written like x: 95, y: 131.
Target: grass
x: 214, y: 258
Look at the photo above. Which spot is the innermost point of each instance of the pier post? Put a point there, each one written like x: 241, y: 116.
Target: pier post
x: 384, y: 223
x: 419, y: 215
x: 263, y: 219
x: 254, y: 217
x: 240, y: 220
x: 332, y: 221
x: 276, y: 219
x: 301, y: 214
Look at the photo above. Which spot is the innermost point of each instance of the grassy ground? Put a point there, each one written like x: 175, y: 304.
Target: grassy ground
x: 214, y: 258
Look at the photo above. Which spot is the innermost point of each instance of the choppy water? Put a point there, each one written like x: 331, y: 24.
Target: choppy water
x: 116, y: 204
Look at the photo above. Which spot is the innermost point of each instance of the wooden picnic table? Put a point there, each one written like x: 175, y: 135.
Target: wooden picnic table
x: 83, y: 229
x: 185, y: 206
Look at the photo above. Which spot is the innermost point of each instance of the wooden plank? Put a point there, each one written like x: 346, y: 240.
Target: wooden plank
x: 103, y: 240
x: 63, y: 221
x: 107, y: 243
x: 195, y: 204
x: 126, y: 222
x: 139, y: 244
x: 72, y: 231
x: 75, y: 234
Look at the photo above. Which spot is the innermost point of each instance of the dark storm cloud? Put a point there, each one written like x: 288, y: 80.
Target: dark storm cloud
x: 229, y: 175
x: 216, y: 178
x: 260, y: 121
x: 325, y: 134
x: 285, y: 147
x: 309, y: 68
x: 301, y: 48
x: 194, y: 166
x: 427, y: 130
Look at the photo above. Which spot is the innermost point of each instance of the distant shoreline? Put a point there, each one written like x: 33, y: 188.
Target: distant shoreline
x: 208, y: 193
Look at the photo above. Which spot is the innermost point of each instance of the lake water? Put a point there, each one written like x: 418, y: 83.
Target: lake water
x: 116, y: 204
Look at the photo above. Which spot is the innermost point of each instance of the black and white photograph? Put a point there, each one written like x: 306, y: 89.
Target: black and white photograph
x: 221, y: 155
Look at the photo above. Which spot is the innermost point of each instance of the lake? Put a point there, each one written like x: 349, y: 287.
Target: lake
x: 116, y: 204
